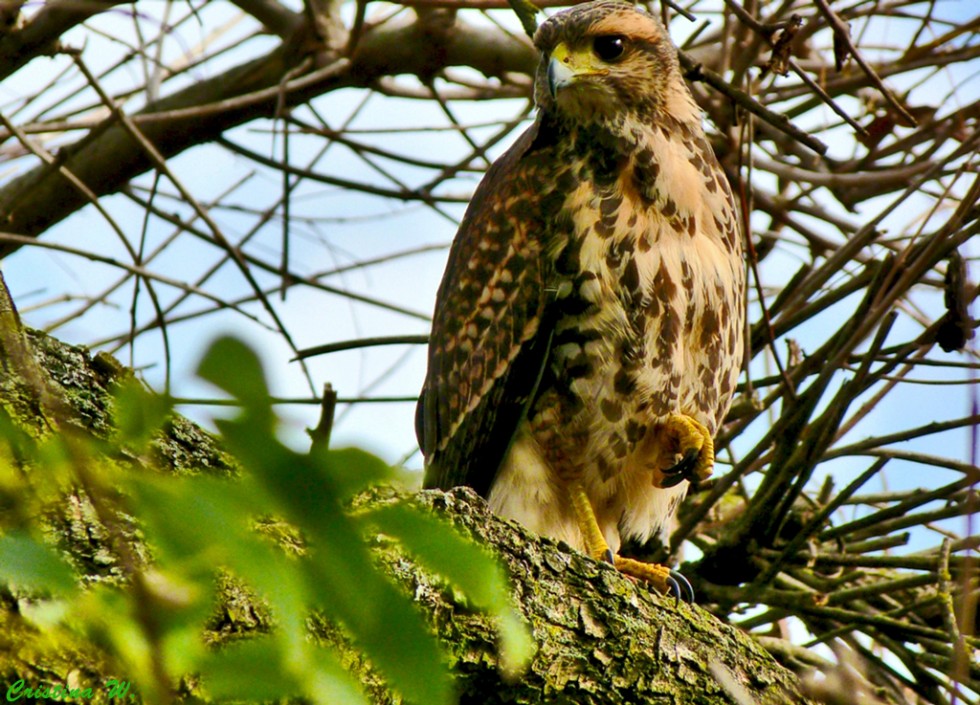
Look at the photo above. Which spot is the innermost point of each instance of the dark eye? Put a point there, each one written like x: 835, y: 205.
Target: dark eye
x: 609, y: 47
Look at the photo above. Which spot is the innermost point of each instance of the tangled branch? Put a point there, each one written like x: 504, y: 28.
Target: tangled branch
x: 207, y: 164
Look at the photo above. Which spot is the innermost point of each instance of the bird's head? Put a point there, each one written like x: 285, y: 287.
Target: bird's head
x: 603, y: 60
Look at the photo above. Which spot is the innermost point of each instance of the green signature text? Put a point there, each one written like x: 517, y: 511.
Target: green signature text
x: 19, y: 689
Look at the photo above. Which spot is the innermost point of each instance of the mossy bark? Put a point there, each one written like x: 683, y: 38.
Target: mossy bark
x: 600, y: 637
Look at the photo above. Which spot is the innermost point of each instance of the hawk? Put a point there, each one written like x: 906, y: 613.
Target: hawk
x: 587, y: 336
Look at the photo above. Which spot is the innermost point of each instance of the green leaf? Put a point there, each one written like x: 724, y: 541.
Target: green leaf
x: 339, y: 568
x: 249, y: 671
x: 442, y: 549
x: 352, y: 470
x: 233, y: 367
x: 139, y: 412
x: 255, y: 671
x: 467, y: 566
x: 30, y: 564
x: 392, y: 635
x: 200, y: 517
x: 201, y: 524
x: 311, y: 494
x: 517, y: 646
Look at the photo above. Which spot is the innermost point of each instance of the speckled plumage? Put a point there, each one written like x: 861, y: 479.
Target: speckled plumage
x: 594, y: 289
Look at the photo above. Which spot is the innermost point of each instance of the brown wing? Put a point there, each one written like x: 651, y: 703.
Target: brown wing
x: 491, y: 330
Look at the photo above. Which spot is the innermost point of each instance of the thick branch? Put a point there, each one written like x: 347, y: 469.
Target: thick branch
x: 600, y: 637
x: 108, y: 157
x: 40, y: 35
x: 276, y: 18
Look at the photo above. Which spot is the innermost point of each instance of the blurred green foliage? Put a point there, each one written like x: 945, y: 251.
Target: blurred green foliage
x: 151, y: 620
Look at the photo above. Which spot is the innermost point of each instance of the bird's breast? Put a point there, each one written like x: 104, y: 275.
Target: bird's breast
x: 649, y: 300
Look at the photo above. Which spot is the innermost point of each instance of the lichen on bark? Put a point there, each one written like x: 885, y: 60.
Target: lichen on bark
x: 600, y: 637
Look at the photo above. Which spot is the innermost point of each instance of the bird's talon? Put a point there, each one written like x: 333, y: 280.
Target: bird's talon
x: 682, y: 587
x: 684, y: 469
x: 673, y: 477
x: 690, y: 439
x: 661, y: 577
x: 609, y: 557
x: 672, y: 481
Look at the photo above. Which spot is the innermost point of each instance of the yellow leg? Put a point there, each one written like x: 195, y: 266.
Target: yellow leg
x: 595, y: 542
x: 660, y: 576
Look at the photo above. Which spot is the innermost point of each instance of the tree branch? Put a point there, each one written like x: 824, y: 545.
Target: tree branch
x: 108, y: 157
x: 40, y: 35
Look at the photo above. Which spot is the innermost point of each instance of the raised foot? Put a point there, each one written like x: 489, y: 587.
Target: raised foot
x: 688, y: 438
x: 661, y: 577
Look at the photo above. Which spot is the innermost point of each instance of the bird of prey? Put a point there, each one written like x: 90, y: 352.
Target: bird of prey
x: 587, y: 336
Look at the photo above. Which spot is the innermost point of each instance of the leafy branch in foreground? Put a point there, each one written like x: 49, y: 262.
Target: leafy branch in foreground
x: 200, y: 527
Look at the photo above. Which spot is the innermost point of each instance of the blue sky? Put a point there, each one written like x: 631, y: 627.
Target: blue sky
x: 346, y: 228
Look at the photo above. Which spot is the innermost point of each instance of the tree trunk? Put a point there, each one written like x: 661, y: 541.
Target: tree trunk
x: 601, y: 638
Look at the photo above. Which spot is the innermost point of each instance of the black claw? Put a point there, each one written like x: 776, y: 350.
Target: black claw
x: 682, y: 470
x: 682, y: 586
x: 609, y: 557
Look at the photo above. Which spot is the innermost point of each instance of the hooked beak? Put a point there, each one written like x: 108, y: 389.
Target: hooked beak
x: 560, y: 73
x: 565, y: 67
